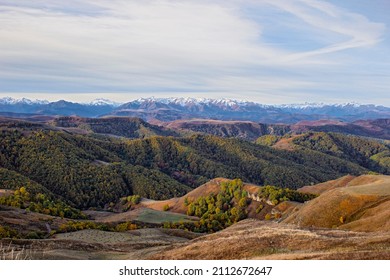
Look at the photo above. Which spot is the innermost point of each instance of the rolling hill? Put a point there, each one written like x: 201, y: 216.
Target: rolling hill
x: 251, y: 131
x: 114, y: 126
x: 302, y: 231
x: 253, y: 239
x: 378, y: 128
x: 354, y: 203
x: 306, y: 231
x: 65, y: 173
x: 177, y: 204
x: 76, y: 159
x: 236, y: 129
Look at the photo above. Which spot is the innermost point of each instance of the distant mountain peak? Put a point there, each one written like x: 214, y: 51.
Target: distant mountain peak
x: 104, y: 102
x: 320, y: 105
x: 191, y: 101
x: 175, y: 108
x: 229, y: 103
x: 11, y: 100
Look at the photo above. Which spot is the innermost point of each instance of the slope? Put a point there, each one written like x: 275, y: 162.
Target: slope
x: 252, y: 239
x: 238, y: 129
x: 117, y: 126
x: 359, y: 204
x: 178, y: 204
x: 378, y: 128
x: 91, y: 171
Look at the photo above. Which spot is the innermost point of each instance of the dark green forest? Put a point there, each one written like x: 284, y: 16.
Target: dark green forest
x: 118, y: 126
x: 88, y: 170
x: 371, y: 154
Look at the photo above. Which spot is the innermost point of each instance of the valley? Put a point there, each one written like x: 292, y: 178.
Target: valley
x: 194, y: 130
x: 294, y: 230
x: 120, y: 187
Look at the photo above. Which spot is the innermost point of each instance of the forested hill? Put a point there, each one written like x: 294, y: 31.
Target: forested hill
x: 132, y: 127
x: 118, y: 126
x: 379, y: 128
x: 88, y: 170
x: 238, y: 129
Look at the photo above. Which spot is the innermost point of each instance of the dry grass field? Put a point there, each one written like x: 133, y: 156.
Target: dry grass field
x: 253, y: 239
x: 141, y: 214
x: 25, y: 221
x: 358, y: 204
x: 95, y: 244
x: 329, y: 185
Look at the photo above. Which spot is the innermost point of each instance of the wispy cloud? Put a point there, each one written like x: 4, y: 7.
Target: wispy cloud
x: 171, y: 46
x: 356, y: 29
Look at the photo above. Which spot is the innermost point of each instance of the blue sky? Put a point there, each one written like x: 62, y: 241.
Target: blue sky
x: 268, y: 51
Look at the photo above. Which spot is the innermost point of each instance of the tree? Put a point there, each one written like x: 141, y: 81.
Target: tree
x: 166, y: 207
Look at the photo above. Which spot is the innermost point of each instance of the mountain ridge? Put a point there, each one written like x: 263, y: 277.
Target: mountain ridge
x: 147, y: 163
x: 169, y: 109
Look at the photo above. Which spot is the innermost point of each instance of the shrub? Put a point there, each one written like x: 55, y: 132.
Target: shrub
x: 259, y: 208
x: 134, y: 199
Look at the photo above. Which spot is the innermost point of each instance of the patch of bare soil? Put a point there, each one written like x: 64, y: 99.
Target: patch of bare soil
x: 6, y: 192
x: 286, y: 143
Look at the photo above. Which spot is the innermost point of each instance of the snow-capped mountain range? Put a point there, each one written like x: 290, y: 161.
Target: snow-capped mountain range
x: 190, y: 101
x: 13, y: 101
x: 184, y: 101
x: 168, y: 109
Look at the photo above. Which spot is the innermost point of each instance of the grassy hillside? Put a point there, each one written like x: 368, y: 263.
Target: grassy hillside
x: 326, y: 186
x: 358, y: 204
x: 251, y: 239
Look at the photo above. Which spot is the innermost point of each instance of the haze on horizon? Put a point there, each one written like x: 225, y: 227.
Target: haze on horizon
x: 266, y: 51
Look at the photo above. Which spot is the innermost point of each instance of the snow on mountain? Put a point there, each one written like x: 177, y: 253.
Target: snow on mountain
x: 103, y: 102
x: 190, y: 101
x: 308, y: 105
x: 7, y: 100
x: 169, y: 109
x: 232, y: 103
x: 301, y: 106
x: 13, y: 101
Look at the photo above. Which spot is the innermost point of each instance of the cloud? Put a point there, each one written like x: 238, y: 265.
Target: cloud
x: 326, y: 19
x: 171, y: 46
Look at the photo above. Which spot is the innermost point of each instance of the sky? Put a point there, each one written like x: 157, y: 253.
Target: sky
x: 266, y: 51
